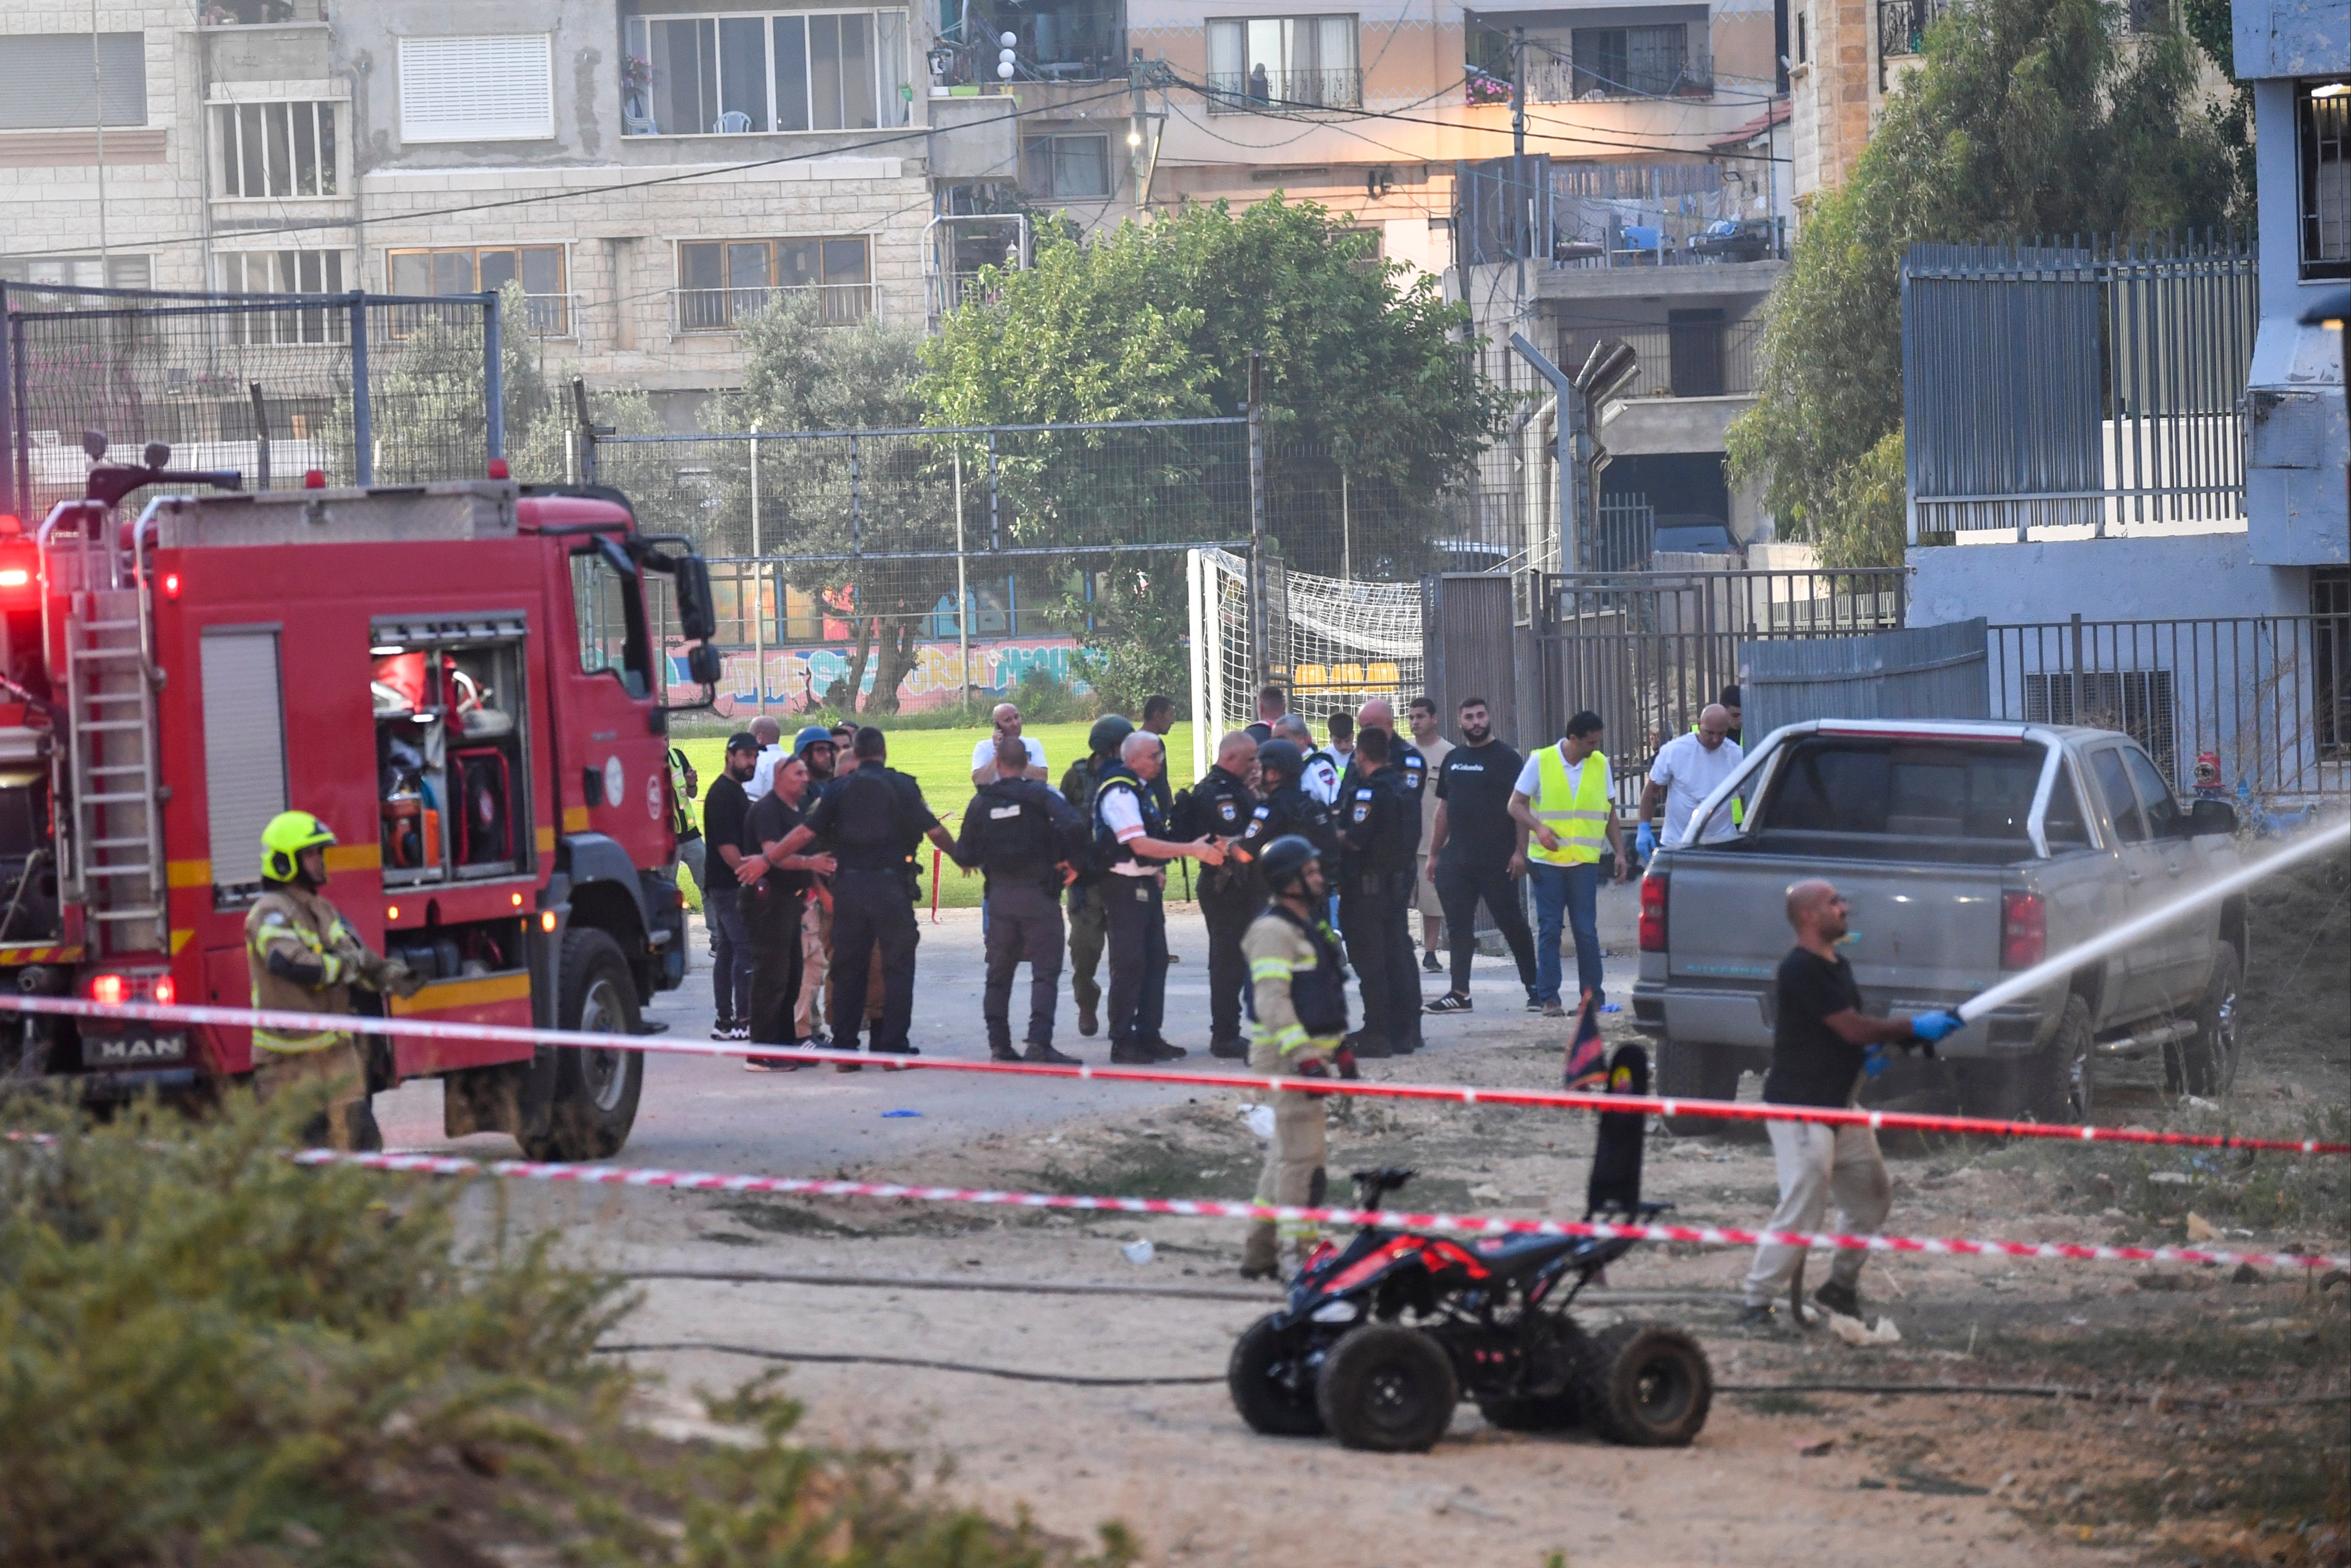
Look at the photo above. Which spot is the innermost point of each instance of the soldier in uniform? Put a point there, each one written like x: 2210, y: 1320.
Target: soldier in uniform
x: 1131, y: 843
x: 1086, y: 932
x: 1025, y: 839
x: 875, y: 819
x: 305, y: 959
x: 1297, y: 1007
x: 1376, y: 827
x: 1399, y: 1017
x: 1219, y: 806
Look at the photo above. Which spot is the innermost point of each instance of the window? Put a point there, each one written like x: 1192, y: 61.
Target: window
x: 286, y: 272
x: 1619, y: 62
x: 1803, y: 38
x: 733, y: 75
x: 82, y: 271
x: 724, y: 283
x: 472, y: 270
x: 1694, y: 352
x: 2122, y: 806
x: 610, y: 621
x: 2063, y: 824
x: 1065, y: 166
x: 244, y: 750
x: 2164, y: 818
x: 1851, y: 785
x: 45, y: 80
x: 2322, y: 126
x: 476, y: 90
x: 276, y: 148
x: 1283, y: 62
x: 2330, y: 647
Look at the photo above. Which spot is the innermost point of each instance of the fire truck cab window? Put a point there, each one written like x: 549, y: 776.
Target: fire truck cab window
x: 450, y: 767
x: 611, y: 617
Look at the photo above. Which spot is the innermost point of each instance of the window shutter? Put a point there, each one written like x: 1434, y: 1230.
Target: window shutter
x: 476, y: 90
x: 244, y: 749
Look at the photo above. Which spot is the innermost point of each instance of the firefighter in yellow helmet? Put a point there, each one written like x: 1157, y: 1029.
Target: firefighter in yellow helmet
x: 304, y: 958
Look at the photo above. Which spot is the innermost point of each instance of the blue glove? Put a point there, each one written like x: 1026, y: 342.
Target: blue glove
x: 1874, y: 1063
x: 1645, y: 840
x: 1932, y: 1027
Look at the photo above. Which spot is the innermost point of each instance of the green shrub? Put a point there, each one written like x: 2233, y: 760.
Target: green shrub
x: 209, y: 1353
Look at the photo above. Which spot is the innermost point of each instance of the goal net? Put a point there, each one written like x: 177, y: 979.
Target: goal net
x: 1332, y: 642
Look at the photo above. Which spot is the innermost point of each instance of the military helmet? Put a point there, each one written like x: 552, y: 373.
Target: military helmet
x: 1284, y: 859
x: 284, y: 839
x: 1282, y: 757
x: 814, y: 735
x: 1109, y: 733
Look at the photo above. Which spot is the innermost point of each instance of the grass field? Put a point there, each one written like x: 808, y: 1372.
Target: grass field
x: 941, y: 760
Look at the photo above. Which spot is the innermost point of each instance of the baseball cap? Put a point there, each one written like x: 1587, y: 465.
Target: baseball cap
x: 742, y: 741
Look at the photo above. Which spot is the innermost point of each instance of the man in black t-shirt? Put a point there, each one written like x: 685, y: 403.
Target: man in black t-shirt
x: 771, y: 910
x: 1822, y: 1045
x: 724, y: 810
x: 1478, y: 850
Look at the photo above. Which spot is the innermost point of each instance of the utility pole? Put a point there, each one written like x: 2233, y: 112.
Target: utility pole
x: 758, y: 582
x: 1519, y: 168
x: 1259, y: 622
x: 98, y: 118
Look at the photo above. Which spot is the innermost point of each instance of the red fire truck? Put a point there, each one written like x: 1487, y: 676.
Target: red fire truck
x: 458, y: 677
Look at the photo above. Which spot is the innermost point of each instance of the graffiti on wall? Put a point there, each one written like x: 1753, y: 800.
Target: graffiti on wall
x: 797, y: 679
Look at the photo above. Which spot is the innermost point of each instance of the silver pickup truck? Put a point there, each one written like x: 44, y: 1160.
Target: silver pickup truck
x: 1967, y: 851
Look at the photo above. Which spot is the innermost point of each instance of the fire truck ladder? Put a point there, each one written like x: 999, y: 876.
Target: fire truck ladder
x: 118, y: 817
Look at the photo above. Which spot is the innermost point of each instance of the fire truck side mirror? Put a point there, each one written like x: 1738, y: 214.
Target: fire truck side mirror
x: 697, y: 607
x: 703, y: 665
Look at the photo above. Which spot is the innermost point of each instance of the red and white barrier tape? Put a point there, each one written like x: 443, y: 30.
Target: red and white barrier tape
x: 1748, y: 1111
x: 1219, y: 1208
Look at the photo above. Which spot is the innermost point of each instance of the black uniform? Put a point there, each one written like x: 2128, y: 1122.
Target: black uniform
x: 771, y: 918
x: 1133, y: 918
x: 1232, y: 895
x: 1475, y: 783
x: 874, y: 818
x: 1379, y: 824
x: 1406, y: 777
x: 1021, y: 834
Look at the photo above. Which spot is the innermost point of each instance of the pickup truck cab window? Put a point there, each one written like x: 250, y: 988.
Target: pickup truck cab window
x: 2063, y: 825
x: 2165, y: 819
x: 2122, y: 806
x: 1861, y: 784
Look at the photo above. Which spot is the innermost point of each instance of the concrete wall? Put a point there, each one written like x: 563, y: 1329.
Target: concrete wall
x: 2196, y: 575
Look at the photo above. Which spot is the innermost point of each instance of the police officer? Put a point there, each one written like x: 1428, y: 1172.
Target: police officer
x: 305, y: 959
x: 1086, y: 932
x: 1219, y: 806
x: 875, y: 819
x: 1297, y: 1012
x: 1376, y: 827
x: 1131, y: 840
x: 1399, y: 1020
x: 1024, y: 837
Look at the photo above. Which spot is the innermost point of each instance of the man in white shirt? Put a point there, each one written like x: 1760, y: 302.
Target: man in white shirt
x: 770, y: 734
x: 984, y: 771
x: 1319, y: 777
x: 1687, y: 771
x: 1127, y: 844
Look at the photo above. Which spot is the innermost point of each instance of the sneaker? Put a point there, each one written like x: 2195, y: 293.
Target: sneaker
x: 1758, y: 1317
x: 722, y: 1030
x: 1002, y: 1053
x: 848, y: 1067
x: 771, y: 1064
x: 1131, y: 1053
x: 1368, y: 1047
x: 1428, y: 962
x: 740, y: 1031
x: 1087, y: 1022
x: 1230, y: 1050
x: 1162, y: 1051
x: 1555, y: 1010
x: 1450, y: 1002
x: 1842, y: 1299
x: 1534, y: 1003
x: 1047, y: 1054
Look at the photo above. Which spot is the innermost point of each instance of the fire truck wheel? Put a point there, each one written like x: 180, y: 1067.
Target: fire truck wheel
x: 595, y: 1100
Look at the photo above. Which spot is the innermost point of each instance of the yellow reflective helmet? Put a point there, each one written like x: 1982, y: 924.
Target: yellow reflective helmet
x: 284, y: 839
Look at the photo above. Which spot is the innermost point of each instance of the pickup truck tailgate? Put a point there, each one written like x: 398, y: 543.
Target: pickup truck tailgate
x: 1920, y: 936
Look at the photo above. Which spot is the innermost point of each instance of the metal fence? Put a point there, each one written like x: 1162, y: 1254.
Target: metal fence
x: 2263, y: 702
x: 2076, y: 389
x: 1917, y: 671
x: 367, y: 388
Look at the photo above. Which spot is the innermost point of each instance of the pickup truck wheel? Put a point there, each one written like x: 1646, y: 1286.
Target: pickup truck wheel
x: 2205, y: 1063
x: 1695, y: 1069
x: 596, y: 1092
x: 2056, y: 1084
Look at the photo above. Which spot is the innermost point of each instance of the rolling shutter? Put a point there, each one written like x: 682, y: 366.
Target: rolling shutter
x: 244, y: 749
x: 476, y: 90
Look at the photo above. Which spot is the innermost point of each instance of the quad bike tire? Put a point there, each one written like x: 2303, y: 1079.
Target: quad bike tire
x: 1646, y: 1386
x: 596, y: 1092
x: 1696, y: 1069
x: 1254, y: 1378
x: 1532, y: 1413
x: 2205, y: 1063
x: 1387, y: 1389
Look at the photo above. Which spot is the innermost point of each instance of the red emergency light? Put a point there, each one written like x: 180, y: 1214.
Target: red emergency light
x: 114, y: 990
x: 20, y: 574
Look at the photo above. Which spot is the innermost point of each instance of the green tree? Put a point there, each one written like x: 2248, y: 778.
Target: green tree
x: 2030, y: 117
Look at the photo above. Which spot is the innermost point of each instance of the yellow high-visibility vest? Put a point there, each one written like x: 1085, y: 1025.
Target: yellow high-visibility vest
x: 1575, y: 808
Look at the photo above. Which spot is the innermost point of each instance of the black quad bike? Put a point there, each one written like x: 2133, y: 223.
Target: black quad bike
x: 1381, y: 1338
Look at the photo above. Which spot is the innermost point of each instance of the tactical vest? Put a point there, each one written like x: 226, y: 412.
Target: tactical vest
x: 1016, y: 841
x: 1108, y: 851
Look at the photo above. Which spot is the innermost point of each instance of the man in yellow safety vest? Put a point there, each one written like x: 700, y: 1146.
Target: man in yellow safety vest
x: 1562, y: 800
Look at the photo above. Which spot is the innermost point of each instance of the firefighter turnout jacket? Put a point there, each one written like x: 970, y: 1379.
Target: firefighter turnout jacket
x: 305, y: 959
x: 1298, y: 992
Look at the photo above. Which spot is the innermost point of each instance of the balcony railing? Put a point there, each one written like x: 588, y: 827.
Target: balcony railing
x: 1694, y: 360
x: 729, y: 309
x: 1902, y: 25
x: 544, y: 316
x: 1267, y: 92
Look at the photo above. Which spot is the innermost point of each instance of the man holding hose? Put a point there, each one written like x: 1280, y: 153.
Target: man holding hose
x: 1823, y: 1045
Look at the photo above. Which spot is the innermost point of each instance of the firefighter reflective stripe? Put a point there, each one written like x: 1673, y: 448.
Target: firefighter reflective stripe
x: 1276, y: 968
x: 1575, y: 810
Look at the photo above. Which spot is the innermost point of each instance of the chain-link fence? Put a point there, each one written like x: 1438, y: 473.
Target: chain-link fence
x: 365, y: 388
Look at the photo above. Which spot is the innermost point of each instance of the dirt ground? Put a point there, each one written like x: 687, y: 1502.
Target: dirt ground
x: 2212, y: 1436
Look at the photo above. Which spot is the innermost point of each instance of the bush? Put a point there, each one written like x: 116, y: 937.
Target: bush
x: 216, y: 1356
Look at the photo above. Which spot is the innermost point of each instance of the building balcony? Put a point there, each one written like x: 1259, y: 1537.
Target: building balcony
x: 694, y: 310
x: 1279, y: 92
